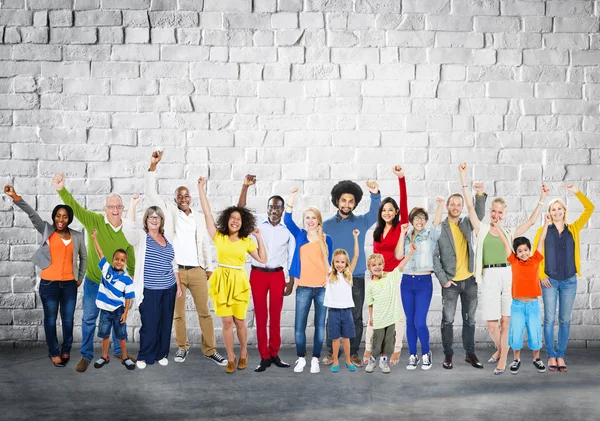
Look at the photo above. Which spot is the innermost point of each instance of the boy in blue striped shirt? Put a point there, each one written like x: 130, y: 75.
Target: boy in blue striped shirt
x: 114, y: 296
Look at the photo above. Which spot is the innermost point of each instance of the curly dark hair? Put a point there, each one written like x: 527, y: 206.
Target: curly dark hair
x: 381, y: 223
x: 346, y: 186
x: 248, y: 221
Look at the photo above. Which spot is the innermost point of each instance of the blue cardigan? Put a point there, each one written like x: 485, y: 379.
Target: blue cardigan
x: 300, y: 235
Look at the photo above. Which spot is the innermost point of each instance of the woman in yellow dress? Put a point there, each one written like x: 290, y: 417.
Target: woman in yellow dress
x: 229, y: 284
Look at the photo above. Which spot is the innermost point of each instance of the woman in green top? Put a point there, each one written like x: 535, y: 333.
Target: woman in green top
x: 492, y: 271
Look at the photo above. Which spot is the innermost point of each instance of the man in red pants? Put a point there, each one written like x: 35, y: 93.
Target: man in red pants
x: 269, y: 279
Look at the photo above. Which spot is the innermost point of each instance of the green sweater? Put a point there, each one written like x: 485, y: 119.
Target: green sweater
x: 107, y: 237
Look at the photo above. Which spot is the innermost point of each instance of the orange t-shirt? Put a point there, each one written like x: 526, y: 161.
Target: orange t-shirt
x: 312, y: 270
x: 525, y: 277
x: 61, y: 260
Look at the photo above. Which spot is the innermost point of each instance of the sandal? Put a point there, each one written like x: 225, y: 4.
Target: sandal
x: 395, y: 359
x: 552, y: 367
x: 562, y: 368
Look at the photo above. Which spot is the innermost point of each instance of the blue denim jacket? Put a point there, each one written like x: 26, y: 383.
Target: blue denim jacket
x: 426, y: 240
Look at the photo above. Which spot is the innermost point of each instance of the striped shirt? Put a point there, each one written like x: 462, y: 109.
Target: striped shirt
x: 158, y: 265
x: 114, y: 288
x: 383, y: 294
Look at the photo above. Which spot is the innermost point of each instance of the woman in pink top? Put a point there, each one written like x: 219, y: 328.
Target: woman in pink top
x: 385, y: 238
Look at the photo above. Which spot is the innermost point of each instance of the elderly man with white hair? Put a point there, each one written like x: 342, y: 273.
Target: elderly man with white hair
x: 111, y: 237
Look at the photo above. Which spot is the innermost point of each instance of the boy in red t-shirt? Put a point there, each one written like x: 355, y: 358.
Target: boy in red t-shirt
x: 525, y: 310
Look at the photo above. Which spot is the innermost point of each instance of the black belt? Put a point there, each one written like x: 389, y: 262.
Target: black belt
x: 497, y: 265
x: 187, y: 267
x: 269, y: 270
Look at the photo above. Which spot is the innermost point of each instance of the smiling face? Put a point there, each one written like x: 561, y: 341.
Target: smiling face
x: 388, y: 213
x: 61, y: 219
x: 114, y: 210
x: 154, y: 221
x: 376, y: 267
x: 454, y: 206
x: 119, y: 261
x: 275, y: 210
x: 346, y: 204
x: 419, y: 221
x: 234, y: 224
x: 311, y: 221
x: 557, y: 212
x: 183, y: 199
x: 497, y: 212
x: 523, y: 252
x: 340, y: 261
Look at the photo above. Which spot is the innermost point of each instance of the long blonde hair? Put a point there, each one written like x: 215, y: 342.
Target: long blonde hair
x: 333, y: 276
x: 317, y: 213
x: 563, y: 204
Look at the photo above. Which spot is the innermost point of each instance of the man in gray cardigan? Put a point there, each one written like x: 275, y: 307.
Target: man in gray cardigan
x: 453, y: 264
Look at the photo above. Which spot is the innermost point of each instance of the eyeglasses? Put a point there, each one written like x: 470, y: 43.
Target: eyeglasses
x: 154, y: 218
x: 271, y: 207
x: 419, y: 218
x: 115, y: 207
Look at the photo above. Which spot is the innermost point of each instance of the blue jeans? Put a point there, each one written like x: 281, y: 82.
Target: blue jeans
x: 304, y: 297
x: 55, y: 295
x: 564, y: 292
x: 112, y: 320
x: 88, y: 321
x: 416, y: 292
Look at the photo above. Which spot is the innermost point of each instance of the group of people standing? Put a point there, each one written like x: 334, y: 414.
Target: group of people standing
x: 156, y: 264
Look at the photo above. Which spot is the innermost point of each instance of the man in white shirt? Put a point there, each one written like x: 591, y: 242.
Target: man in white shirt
x: 269, y: 279
x: 192, y: 253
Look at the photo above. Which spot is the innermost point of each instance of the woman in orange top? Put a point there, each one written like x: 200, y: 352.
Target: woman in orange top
x: 62, y: 272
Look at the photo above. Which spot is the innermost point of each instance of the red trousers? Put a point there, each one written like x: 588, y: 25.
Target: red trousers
x: 273, y: 284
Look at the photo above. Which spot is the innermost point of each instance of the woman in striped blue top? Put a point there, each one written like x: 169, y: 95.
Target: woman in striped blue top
x: 156, y: 281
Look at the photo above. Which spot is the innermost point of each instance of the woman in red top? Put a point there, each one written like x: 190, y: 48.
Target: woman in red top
x: 387, y: 232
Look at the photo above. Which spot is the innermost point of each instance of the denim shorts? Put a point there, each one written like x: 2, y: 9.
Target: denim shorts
x: 112, y: 319
x: 525, y: 315
x: 341, y: 323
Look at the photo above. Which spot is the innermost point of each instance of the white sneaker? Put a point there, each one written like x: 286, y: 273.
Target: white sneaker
x: 314, y: 365
x: 140, y: 364
x: 427, y: 363
x: 383, y: 364
x: 413, y: 360
x: 164, y: 362
x: 300, y: 364
x: 371, y: 365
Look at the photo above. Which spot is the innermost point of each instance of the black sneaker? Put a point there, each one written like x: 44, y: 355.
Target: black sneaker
x: 514, y: 366
x: 277, y: 361
x: 101, y: 362
x: 217, y: 359
x: 539, y: 366
x: 264, y: 364
x: 181, y: 355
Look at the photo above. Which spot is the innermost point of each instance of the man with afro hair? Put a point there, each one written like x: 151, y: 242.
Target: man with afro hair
x: 345, y: 196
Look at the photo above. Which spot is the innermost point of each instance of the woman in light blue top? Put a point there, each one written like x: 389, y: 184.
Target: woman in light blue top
x: 416, y: 288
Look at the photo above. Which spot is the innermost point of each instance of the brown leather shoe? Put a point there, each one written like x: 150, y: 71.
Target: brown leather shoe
x: 230, y: 369
x: 356, y: 360
x: 328, y: 359
x: 243, y: 363
x: 447, y: 364
x: 82, y: 365
x: 472, y: 359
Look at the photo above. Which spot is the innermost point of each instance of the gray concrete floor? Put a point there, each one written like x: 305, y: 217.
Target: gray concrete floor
x: 31, y: 388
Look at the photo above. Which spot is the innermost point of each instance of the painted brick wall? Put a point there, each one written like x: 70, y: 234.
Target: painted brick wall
x: 302, y: 93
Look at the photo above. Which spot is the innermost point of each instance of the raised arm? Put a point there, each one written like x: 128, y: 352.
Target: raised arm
x: 371, y: 216
x: 132, y: 210
x: 399, y: 250
x: 521, y: 229
x: 208, y: 216
x: 588, y: 206
x: 132, y: 234
x: 540, y: 246
x: 507, y: 248
x: 356, y: 252
x: 34, y: 217
x: 480, y: 199
x: 287, y: 217
x: 462, y: 169
x: 97, y: 245
x: 407, y: 258
x: 85, y: 216
x: 249, y: 180
x: 260, y: 254
x: 438, y: 212
x: 150, y: 192
x: 403, y: 196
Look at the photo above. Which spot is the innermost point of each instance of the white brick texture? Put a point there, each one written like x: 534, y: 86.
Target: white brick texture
x: 302, y: 93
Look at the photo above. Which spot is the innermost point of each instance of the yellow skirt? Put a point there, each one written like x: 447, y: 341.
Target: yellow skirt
x: 230, y: 292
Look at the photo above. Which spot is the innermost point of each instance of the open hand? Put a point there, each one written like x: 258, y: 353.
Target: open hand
x: 398, y: 171
x: 58, y: 181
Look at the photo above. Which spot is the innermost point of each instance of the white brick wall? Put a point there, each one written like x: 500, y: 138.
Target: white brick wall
x: 301, y: 93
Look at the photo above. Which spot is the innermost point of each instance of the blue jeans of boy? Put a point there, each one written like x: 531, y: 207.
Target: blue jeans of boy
x: 55, y: 295
x: 564, y: 292
x: 88, y: 321
x: 304, y: 297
